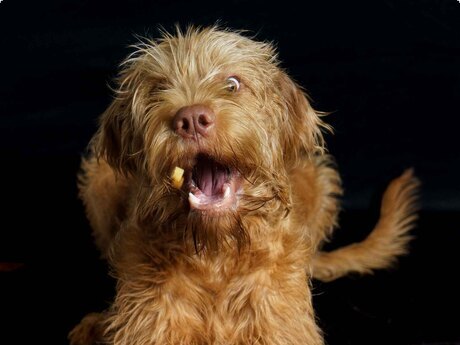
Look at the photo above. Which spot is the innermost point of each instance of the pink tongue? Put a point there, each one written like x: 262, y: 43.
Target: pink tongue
x: 209, y: 177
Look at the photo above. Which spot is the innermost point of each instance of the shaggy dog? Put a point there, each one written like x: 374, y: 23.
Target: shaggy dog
x: 224, y: 256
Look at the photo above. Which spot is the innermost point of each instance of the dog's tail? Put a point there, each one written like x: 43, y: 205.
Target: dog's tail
x: 388, y: 239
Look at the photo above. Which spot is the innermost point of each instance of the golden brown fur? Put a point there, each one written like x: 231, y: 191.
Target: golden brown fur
x: 238, y: 277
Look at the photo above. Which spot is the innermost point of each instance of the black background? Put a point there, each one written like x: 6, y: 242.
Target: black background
x: 388, y: 70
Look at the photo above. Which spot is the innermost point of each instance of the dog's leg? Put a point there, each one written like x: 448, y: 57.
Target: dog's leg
x: 89, y: 331
x: 104, y: 195
x: 388, y: 239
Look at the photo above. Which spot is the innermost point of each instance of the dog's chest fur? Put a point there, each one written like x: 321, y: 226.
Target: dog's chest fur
x: 221, y: 298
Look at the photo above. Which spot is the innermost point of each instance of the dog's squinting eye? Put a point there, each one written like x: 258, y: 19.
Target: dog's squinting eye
x: 233, y: 84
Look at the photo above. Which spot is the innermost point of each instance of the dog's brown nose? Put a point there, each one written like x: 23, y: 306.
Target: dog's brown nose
x: 194, y: 120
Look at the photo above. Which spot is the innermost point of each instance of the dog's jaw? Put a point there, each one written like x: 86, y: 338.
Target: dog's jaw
x: 212, y: 187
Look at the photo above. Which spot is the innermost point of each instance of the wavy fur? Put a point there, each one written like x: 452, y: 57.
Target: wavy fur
x: 187, y: 278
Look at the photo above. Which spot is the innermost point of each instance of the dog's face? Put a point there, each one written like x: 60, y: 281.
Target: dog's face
x: 217, y: 105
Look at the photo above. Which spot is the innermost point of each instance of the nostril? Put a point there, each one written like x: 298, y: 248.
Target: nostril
x: 185, y: 125
x: 203, y: 120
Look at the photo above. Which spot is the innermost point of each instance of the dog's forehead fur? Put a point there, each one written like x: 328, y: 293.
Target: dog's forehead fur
x: 199, y: 57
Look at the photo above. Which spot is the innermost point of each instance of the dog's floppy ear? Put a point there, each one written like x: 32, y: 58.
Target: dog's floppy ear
x: 115, y: 141
x: 119, y: 140
x: 302, y: 124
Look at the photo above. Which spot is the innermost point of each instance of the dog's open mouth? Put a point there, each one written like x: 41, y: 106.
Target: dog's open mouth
x: 212, y: 186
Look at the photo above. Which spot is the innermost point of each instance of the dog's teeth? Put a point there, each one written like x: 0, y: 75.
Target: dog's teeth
x: 227, y: 191
x: 193, y: 199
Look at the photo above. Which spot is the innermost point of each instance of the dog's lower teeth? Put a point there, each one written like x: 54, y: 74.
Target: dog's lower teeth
x: 227, y: 191
x: 193, y: 199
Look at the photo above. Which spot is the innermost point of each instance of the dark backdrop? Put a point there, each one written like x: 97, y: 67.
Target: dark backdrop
x: 388, y: 70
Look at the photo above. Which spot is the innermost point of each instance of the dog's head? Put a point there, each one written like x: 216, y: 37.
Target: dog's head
x: 216, y: 104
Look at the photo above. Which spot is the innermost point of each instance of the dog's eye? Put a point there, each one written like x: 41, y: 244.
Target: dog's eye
x: 233, y: 84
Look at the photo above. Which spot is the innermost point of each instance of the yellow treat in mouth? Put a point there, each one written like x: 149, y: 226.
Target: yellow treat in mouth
x: 177, y: 177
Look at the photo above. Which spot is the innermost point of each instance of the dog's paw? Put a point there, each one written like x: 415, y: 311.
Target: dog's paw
x: 88, y: 331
